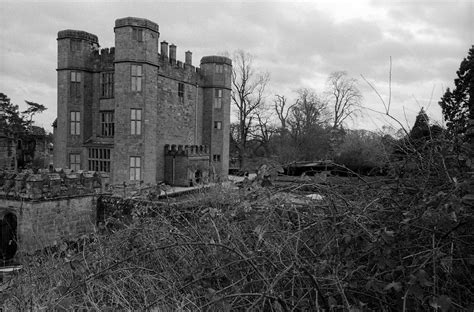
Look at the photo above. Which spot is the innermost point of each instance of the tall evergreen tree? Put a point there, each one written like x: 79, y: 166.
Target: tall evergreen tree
x: 421, y: 128
x: 455, y: 104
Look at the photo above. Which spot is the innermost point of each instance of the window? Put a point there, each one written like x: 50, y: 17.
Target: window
x: 75, y: 123
x: 181, y: 91
x: 99, y: 159
x: 107, y: 85
x: 219, y: 68
x: 216, y: 157
x: 137, y: 77
x: 135, y: 168
x: 75, y: 45
x: 217, y: 125
x: 137, y: 34
x: 75, y: 84
x: 107, y: 124
x: 75, y: 162
x: 218, y: 99
x: 135, y: 121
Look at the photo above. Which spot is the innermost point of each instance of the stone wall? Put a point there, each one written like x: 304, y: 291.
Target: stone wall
x: 50, y: 206
x: 45, y: 223
x: 7, y: 152
x: 179, y: 120
x: 46, y: 184
x: 187, y: 165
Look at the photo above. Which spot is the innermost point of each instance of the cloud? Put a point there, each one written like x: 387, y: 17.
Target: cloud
x: 453, y: 19
x: 299, y: 43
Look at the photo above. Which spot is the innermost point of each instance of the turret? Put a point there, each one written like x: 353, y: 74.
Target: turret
x: 136, y: 40
x: 217, y: 78
x: 135, y: 84
x: 76, y: 49
x: 217, y: 71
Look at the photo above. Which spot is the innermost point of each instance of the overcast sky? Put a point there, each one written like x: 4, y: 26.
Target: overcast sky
x: 299, y: 43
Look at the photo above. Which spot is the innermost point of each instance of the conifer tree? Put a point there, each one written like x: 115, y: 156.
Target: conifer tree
x: 455, y: 104
x: 421, y: 128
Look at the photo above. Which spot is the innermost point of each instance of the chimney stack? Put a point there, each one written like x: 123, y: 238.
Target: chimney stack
x: 172, y: 53
x: 164, y: 49
x: 188, y: 58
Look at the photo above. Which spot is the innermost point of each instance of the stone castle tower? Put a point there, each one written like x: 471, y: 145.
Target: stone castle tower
x: 118, y: 108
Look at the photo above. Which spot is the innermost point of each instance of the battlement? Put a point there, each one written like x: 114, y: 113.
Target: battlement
x: 107, y: 51
x: 103, y: 59
x: 164, y: 61
x: 167, y: 57
x: 169, y: 61
x: 136, y: 22
x: 107, y: 55
x: 77, y: 34
x: 216, y: 59
x: 186, y: 150
x: 48, y: 184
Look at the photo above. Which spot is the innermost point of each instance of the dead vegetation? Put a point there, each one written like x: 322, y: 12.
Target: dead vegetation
x: 384, y: 244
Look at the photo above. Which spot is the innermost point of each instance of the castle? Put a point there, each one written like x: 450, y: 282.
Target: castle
x: 137, y: 112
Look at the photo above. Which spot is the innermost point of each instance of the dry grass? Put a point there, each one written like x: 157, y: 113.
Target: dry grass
x: 383, y: 245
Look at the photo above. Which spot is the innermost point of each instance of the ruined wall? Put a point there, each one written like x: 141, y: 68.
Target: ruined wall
x: 7, y: 153
x: 46, y: 222
x: 50, y: 206
x: 27, y: 185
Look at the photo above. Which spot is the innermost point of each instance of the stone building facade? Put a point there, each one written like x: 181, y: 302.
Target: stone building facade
x: 119, y: 107
x: 8, y: 145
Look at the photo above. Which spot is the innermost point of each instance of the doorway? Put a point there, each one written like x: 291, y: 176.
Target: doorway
x: 8, y: 238
x: 198, y: 176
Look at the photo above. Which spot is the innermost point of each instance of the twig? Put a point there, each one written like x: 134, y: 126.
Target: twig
x: 282, y: 303
x: 405, y: 301
x: 318, y: 289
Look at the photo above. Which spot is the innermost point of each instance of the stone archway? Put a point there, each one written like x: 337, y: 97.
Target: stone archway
x: 8, y: 237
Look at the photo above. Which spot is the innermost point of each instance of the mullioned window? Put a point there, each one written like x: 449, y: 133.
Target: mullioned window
x: 137, y: 74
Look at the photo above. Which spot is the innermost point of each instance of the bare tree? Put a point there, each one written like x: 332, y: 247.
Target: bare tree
x: 344, y: 96
x: 281, y: 109
x: 309, y: 111
x: 248, y: 86
x: 264, y: 129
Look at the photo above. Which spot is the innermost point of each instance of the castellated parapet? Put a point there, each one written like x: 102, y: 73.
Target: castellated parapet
x: 77, y: 34
x: 51, y: 184
x: 118, y: 107
x: 186, y: 150
x: 137, y: 22
x: 187, y: 165
x: 47, y: 207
